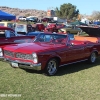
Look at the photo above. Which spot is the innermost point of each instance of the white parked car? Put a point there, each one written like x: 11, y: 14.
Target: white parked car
x: 22, y: 18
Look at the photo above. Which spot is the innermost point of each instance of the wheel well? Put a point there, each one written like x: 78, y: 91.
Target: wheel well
x: 57, y: 58
x: 96, y: 53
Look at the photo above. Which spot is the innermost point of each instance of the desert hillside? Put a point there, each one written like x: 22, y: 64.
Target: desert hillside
x: 24, y: 12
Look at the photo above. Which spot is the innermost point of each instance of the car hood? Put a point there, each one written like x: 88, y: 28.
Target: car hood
x: 32, y: 47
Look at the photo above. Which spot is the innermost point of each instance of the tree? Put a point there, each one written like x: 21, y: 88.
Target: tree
x: 96, y: 15
x: 67, y: 11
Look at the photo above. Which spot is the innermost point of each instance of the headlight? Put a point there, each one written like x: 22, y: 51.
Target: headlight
x: 35, y: 58
x: 1, y: 52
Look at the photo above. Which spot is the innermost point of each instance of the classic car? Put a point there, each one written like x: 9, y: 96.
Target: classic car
x: 53, y: 27
x: 23, y: 28
x: 48, y: 54
x: 7, y: 24
x: 46, y: 19
x: 71, y: 29
x: 38, y: 26
x: 32, y: 19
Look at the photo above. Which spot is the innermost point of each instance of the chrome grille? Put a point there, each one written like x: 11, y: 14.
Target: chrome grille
x: 24, y: 56
x: 8, y: 53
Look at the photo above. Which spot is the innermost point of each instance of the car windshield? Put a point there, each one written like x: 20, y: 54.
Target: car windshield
x: 33, y: 33
x: 51, y: 38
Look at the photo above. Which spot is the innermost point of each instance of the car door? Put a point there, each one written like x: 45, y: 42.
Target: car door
x: 71, y: 53
x: 75, y: 52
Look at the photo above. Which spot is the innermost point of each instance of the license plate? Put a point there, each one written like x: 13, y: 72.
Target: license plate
x: 13, y: 64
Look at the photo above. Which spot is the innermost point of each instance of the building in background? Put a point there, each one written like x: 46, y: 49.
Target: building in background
x: 50, y: 13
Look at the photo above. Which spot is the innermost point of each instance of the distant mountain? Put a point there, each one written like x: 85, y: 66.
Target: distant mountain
x: 24, y: 12
x: 28, y: 12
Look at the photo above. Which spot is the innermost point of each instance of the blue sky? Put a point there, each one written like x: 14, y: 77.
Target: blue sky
x: 84, y: 6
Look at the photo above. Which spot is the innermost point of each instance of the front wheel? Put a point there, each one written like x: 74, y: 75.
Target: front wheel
x: 51, y: 67
x: 92, y: 58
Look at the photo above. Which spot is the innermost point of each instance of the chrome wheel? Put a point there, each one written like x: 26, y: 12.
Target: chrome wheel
x: 93, y: 57
x: 52, y: 67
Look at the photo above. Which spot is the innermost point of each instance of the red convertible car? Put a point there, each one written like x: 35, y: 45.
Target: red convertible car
x: 50, y: 52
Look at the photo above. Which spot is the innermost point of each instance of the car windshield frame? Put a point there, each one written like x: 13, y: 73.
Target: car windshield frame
x: 51, y: 38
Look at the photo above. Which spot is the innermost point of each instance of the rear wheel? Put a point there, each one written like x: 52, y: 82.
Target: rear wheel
x: 92, y: 58
x: 51, y: 67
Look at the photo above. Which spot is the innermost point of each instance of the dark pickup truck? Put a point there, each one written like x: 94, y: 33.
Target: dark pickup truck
x: 9, y: 36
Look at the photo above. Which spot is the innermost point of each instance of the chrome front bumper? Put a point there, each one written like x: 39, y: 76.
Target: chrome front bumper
x: 24, y: 65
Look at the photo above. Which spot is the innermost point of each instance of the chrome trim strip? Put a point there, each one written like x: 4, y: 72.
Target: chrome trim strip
x: 73, y: 62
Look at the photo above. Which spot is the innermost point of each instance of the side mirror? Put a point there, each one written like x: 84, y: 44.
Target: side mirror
x: 70, y: 44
